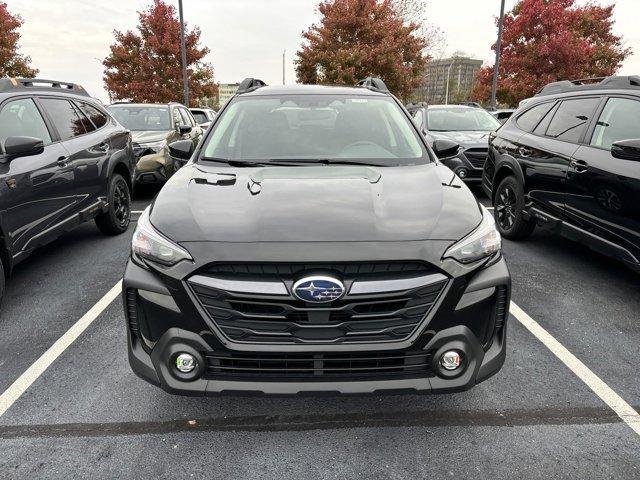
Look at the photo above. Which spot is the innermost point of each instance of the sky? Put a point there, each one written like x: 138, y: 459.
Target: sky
x: 67, y: 39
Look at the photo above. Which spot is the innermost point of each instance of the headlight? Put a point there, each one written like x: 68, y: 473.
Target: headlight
x: 154, y: 146
x: 150, y: 244
x: 482, y: 242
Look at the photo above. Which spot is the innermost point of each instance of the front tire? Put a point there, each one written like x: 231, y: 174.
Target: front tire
x: 117, y: 218
x: 509, y: 210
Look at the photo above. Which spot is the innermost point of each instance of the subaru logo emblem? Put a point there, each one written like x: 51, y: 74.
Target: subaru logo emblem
x: 318, y: 289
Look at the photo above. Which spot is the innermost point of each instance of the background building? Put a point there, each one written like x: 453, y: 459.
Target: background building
x: 458, y: 71
x: 226, y: 91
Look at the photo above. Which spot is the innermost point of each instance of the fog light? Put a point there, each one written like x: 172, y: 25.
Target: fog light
x: 462, y: 173
x: 450, y: 360
x: 185, y: 363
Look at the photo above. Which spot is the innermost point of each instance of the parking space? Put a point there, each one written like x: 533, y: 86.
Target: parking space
x: 89, y: 416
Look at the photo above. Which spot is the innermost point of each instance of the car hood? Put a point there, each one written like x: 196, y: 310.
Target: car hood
x: 315, y: 204
x: 464, y: 139
x: 150, y: 136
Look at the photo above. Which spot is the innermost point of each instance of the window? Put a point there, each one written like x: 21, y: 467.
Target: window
x: 417, y: 118
x: 86, y: 123
x: 620, y: 120
x: 21, y: 118
x: 200, y: 116
x: 529, y: 119
x: 460, y: 119
x: 186, y: 118
x: 299, y: 127
x: 142, y: 118
x: 571, y: 119
x: 98, y: 118
x: 65, y: 117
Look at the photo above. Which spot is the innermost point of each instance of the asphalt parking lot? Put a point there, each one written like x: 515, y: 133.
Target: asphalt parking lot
x: 89, y: 416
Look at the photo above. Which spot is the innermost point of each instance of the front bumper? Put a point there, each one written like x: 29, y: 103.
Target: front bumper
x: 164, y: 325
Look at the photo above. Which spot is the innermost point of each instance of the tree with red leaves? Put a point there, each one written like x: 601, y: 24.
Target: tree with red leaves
x: 12, y: 64
x: 548, y: 40
x: 358, y: 38
x: 146, y: 66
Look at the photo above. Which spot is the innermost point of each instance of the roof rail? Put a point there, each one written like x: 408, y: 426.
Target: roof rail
x: 595, y: 83
x: 250, y: 84
x: 373, y: 83
x: 12, y: 84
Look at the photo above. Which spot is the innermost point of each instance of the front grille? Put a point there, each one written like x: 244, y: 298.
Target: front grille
x: 317, y: 367
x: 360, y: 269
x: 284, y: 319
x: 476, y: 156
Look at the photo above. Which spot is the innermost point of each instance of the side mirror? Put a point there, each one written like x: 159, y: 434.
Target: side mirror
x: 626, y: 150
x: 184, y: 129
x: 182, y: 149
x: 15, y: 147
x: 445, y: 148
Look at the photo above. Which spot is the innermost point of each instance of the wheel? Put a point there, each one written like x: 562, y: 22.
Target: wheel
x: 116, y: 219
x: 509, y: 206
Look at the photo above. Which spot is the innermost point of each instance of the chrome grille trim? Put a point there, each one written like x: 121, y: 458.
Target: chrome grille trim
x: 241, y: 286
x: 398, y: 285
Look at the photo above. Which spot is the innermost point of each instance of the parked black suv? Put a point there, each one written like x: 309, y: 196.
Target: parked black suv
x: 569, y: 159
x: 462, y: 132
x: 314, y: 243
x: 63, y: 161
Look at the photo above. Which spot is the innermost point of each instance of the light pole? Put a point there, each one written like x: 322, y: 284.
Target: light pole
x: 496, y: 67
x: 183, y: 53
x: 446, y: 98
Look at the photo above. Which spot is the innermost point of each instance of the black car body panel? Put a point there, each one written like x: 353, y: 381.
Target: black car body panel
x: 49, y: 193
x: 253, y: 232
x: 574, y: 185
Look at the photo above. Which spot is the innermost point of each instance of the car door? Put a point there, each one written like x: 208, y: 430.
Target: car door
x: 603, y: 192
x: 86, y: 149
x: 545, y: 153
x: 38, y: 188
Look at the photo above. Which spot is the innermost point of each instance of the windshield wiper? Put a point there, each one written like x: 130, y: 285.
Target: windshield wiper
x: 329, y: 161
x: 237, y: 163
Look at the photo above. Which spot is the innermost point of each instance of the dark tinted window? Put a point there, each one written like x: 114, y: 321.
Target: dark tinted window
x: 200, y: 116
x: 21, y: 118
x: 571, y: 119
x: 65, y: 117
x: 98, y: 118
x: 620, y: 120
x: 186, y: 117
x: 529, y: 119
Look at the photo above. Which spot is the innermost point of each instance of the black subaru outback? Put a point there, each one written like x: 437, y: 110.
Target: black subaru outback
x: 63, y: 161
x: 569, y: 160
x: 314, y: 243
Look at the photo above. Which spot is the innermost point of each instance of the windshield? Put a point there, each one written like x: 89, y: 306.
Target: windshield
x: 200, y: 117
x: 460, y: 120
x: 315, y: 127
x: 141, y: 117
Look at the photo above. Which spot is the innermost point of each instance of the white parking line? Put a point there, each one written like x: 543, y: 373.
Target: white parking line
x: 595, y: 383
x: 25, y: 380
x: 137, y: 211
